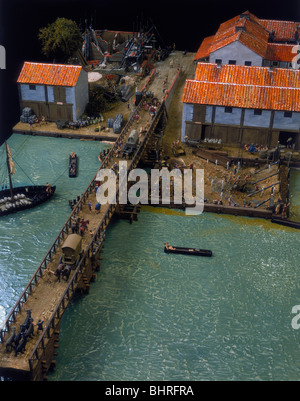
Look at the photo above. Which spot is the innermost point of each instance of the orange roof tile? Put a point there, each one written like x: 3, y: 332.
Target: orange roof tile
x: 204, y: 49
x: 283, y: 30
x: 242, y: 96
x: 244, y: 87
x: 281, y: 52
x: 246, y: 31
x: 49, y: 74
x: 248, y: 75
x: 253, y: 33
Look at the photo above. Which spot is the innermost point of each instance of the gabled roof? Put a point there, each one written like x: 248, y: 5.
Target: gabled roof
x: 49, y: 74
x: 244, y: 87
x: 252, y: 32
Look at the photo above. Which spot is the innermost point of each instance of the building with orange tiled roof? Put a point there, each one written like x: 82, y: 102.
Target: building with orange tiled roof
x: 54, y: 91
x: 248, y: 40
x: 242, y: 104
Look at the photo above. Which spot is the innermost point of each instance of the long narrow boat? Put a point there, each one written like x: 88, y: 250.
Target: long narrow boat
x: 287, y: 223
x: 15, y: 199
x: 73, y: 165
x: 187, y: 251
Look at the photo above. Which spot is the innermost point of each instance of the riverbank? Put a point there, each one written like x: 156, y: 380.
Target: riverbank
x: 233, y: 185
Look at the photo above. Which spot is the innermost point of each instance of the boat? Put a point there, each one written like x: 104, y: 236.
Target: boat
x: 187, y: 251
x: 15, y: 199
x: 286, y: 222
x: 73, y: 165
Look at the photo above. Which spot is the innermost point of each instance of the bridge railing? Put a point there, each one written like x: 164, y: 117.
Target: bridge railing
x: 64, y: 231
x: 95, y: 243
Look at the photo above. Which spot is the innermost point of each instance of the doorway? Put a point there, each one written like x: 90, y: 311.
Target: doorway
x: 289, y: 139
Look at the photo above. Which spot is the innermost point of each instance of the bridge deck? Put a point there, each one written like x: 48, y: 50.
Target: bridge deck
x: 46, y: 294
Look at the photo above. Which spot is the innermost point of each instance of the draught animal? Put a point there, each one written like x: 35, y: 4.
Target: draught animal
x: 10, y: 341
x: 66, y: 272
x: 28, y: 317
x: 19, y: 335
x: 22, y: 345
x: 30, y: 330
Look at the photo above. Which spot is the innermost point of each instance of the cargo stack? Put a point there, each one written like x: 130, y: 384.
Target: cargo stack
x: 117, y: 124
x: 27, y: 116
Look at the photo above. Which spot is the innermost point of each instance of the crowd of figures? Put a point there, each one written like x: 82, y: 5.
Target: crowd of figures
x: 17, y: 341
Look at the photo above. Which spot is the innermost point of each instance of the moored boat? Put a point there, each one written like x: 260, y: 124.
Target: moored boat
x: 15, y: 199
x: 23, y: 198
x: 73, y: 165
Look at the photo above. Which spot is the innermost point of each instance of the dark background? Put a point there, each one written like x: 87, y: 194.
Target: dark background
x: 184, y: 22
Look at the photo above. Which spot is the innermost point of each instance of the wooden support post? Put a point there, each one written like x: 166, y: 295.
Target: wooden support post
x: 213, y: 117
x: 271, y: 128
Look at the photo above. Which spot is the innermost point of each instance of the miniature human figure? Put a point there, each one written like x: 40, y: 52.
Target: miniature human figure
x: 277, y: 209
x: 48, y: 189
x: 289, y: 143
x: 98, y: 207
x: 49, y: 272
x: 83, y: 226
x: 74, y: 227
x: 90, y: 207
x: 284, y: 210
x: 152, y: 111
x: 58, y: 271
x: 39, y: 325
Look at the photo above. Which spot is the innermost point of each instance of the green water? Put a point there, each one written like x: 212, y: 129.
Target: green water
x: 26, y: 236
x: 153, y: 316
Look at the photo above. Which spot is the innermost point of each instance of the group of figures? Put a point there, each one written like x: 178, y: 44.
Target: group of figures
x: 17, y: 342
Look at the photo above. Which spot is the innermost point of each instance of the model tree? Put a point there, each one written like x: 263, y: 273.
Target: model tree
x: 61, y: 38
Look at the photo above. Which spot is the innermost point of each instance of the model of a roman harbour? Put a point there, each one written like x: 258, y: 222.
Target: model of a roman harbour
x: 122, y: 101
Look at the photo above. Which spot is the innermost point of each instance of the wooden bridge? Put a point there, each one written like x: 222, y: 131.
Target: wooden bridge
x: 44, y: 295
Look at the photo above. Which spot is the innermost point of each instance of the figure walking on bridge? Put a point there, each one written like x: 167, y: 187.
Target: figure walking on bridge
x: 98, y: 207
x: 39, y: 325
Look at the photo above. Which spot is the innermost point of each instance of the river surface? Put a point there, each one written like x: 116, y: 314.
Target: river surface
x: 153, y: 316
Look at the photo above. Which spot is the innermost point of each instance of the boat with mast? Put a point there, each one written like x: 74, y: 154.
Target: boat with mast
x: 15, y: 199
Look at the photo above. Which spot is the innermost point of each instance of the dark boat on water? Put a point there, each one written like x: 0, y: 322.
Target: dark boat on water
x: 287, y: 223
x: 187, y: 251
x: 73, y: 165
x: 15, y: 199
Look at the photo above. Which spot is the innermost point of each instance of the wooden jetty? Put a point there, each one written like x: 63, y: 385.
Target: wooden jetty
x: 44, y: 295
x: 220, y: 209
